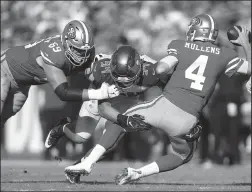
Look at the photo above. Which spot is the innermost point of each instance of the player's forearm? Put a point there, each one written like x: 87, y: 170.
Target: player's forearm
x: 247, y: 50
x: 108, y: 112
x: 66, y: 93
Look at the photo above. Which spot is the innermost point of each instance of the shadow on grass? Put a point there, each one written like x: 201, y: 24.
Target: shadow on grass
x: 138, y: 183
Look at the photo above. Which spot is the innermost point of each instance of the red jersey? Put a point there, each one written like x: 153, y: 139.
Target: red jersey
x: 101, y: 73
x: 199, y: 67
x: 24, y: 67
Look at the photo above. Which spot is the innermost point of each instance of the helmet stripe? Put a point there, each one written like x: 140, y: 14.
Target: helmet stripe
x: 86, y: 32
x: 212, y: 26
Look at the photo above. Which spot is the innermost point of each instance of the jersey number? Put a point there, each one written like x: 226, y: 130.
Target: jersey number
x: 198, y: 78
x: 55, y: 47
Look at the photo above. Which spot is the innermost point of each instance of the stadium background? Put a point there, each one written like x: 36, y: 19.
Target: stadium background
x: 149, y: 26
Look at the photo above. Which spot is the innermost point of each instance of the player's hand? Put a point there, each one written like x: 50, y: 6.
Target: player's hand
x: 108, y: 91
x: 133, y: 123
x: 194, y: 133
x: 243, y: 38
x: 248, y: 85
x: 113, y: 91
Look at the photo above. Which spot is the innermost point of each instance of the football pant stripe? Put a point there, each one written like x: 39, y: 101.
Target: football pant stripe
x: 236, y: 59
x: 86, y: 32
x: 212, y: 26
x: 231, y: 70
x: 143, y: 105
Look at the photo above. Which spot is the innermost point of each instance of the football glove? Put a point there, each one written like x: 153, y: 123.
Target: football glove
x: 104, y: 92
x: 133, y: 123
x: 194, y: 133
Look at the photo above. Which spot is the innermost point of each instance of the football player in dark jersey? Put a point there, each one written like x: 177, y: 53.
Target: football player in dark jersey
x: 197, y: 64
x: 81, y: 130
x: 49, y: 60
x: 135, y: 86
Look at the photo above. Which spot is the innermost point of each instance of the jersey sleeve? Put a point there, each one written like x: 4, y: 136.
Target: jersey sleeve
x: 52, y: 53
x: 234, y: 63
x: 173, y: 48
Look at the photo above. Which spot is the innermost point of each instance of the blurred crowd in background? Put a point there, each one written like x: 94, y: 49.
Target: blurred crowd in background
x: 149, y: 26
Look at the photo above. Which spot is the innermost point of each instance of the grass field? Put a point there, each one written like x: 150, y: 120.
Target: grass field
x: 35, y: 175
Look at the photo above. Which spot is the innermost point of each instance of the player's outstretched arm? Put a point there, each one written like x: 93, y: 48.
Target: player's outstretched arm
x: 243, y: 40
x: 129, y: 123
x: 58, y: 80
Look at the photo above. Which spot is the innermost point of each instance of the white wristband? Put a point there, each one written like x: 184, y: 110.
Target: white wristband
x: 92, y: 94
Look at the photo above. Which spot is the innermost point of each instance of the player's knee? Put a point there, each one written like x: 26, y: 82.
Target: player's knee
x: 18, y: 104
x: 182, y: 148
x: 81, y: 137
x: 84, y: 135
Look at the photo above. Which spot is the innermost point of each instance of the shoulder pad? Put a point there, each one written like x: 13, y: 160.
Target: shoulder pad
x: 102, y: 56
x: 52, y: 52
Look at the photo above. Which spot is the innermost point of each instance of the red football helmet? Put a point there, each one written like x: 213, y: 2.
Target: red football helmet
x: 78, y: 40
x: 202, y: 27
x: 125, y: 66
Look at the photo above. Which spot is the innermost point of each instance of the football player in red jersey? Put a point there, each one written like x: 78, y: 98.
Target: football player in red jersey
x: 197, y: 63
x: 49, y: 60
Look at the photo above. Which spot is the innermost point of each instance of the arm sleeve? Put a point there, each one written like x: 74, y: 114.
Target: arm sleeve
x: 67, y: 94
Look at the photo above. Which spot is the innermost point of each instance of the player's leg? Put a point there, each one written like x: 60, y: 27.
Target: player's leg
x: 178, y: 124
x: 108, y: 141
x: 5, y: 84
x: 14, y: 102
x: 78, y: 131
x: 110, y: 137
x: 181, y: 154
x: 163, y: 114
x: 5, y: 87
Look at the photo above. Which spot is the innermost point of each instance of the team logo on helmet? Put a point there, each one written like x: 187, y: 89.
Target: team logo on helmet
x: 71, y: 33
x: 194, y: 21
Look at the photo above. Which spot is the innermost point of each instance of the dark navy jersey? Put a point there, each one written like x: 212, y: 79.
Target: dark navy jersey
x: 101, y: 73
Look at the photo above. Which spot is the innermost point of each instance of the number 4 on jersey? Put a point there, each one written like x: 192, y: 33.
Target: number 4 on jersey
x: 198, y: 77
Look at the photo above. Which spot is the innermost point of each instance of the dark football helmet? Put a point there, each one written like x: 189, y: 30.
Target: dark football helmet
x: 78, y: 41
x: 125, y: 66
x: 202, y: 27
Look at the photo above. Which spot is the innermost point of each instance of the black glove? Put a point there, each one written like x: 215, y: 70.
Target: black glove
x: 133, y: 123
x: 194, y: 133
